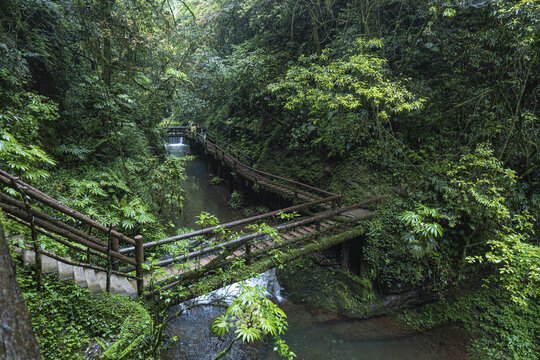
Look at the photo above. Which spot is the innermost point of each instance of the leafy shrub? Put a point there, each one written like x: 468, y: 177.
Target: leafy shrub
x: 135, y: 335
x: 216, y: 180
x: 237, y: 200
x: 499, y: 328
x: 249, y: 212
x: 65, y: 317
x: 389, y: 257
x: 261, y: 209
x: 254, y: 211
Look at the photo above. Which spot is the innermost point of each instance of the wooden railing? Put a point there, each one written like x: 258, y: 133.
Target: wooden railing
x: 106, y: 249
x: 244, y: 239
x: 233, y: 151
x: 70, y: 228
x: 241, y: 163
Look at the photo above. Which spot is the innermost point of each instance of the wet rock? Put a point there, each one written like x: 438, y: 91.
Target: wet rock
x: 328, y: 288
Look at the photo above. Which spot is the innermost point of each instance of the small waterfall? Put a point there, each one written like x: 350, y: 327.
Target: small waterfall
x: 267, y: 280
x: 176, y: 146
x: 193, y: 327
x: 176, y: 140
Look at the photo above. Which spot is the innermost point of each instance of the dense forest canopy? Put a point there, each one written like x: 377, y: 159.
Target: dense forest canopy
x: 434, y: 103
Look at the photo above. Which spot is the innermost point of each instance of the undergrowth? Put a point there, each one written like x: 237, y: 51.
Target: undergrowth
x: 66, y: 319
x: 499, y: 328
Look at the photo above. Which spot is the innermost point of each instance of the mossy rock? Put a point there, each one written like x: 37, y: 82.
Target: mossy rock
x: 330, y: 288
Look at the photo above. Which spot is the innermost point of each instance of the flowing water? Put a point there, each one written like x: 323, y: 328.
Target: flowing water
x: 313, y: 334
x: 200, y: 194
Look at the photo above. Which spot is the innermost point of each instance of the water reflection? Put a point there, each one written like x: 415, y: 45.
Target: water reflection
x: 200, y: 194
x: 316, y: 334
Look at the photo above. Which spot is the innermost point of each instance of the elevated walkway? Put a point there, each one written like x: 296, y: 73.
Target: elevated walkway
x: 119, y: 263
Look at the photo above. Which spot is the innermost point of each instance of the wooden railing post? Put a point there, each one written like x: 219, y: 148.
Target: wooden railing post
x: 248, y: 252
x: 115, y: 246
x: 139, y: 259
x: 88, y: 249
x: 35, y: 242
x: 109, y: 258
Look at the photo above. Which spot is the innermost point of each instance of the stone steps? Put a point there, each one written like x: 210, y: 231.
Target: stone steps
x: 95, y: 281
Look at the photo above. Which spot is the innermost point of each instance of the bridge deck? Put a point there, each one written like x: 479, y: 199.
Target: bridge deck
x: 302, y: 236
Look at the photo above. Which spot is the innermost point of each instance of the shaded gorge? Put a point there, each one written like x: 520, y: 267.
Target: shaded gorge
x: 313, y: 334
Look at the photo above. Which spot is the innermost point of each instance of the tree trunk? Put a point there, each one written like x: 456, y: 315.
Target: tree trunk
x: 17, y: 340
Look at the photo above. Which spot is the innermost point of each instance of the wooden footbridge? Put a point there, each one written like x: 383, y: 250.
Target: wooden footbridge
x: 194, y: 261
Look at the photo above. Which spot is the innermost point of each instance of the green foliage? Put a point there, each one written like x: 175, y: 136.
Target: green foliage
x: 517, y: 260
x: 499, y: 328
x: 237, y: 200
x: 216, y: 180
x: 134, y: 213
x: 26, y: 113
x: 166, y: 179
x: 330, y: 287
x: 206, y: 219
x: 477, y: 193
x: 134, y: 337
x: 352, y: 91
x: 253, y: 211
x: 478, y: 185
x: 88, y: 83
x: 253, y: 316
x: 103, y: 195
x: 422, y: 235
x: 65, y: 318
x: 28, y: 162
x: 389, y: 257
x: 261, y: 210
x: 474, y: 207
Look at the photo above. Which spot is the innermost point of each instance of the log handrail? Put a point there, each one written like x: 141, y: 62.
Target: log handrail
x: 56, y: 238
x: 8, y: 200
x: 245, y: 238
x: 232, y: 148
x: 58, y: 229
x: 9, y: 180
x: 210, y: 230
x: 63, y: 231
x: 212, y: 140
x: 327, y: 193
x: 245, y: 168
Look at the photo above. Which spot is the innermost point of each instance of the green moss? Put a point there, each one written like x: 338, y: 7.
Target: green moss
x: 65, y: 318
x: 329, y: 288
x: 356, y: 182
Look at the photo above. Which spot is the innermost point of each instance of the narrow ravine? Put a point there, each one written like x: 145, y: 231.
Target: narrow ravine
x: 200, y: 193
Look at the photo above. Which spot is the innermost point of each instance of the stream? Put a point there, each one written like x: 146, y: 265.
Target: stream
x: 313, y: 334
